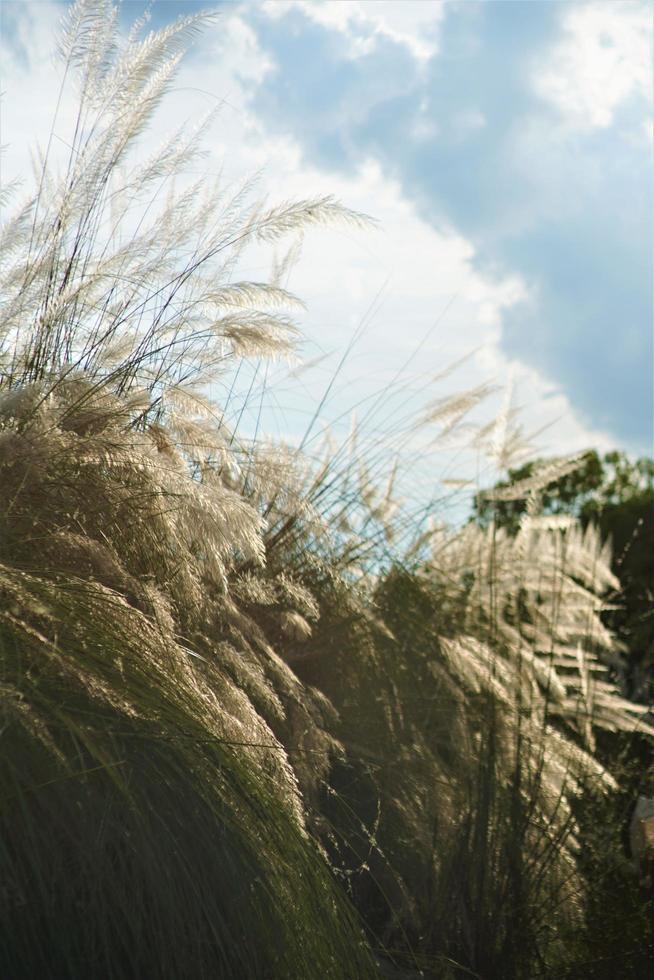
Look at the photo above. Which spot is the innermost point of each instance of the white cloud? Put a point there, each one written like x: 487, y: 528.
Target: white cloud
x: 30, y: 83
x: 411, y: 23
x: 604, y: 56
x: 430, y: 289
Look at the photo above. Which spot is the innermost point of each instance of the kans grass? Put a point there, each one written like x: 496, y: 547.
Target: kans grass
x: 243, y: 733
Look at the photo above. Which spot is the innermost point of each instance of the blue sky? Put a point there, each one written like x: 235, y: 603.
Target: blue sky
x: 566, y: 206
x: 513, y: 134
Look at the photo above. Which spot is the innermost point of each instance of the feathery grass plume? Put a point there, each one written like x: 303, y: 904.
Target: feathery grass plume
x: 244, y: 690
x: 468, y: 694
x: 140, y: 698
x: 87, y: 273
x: 173, y: 839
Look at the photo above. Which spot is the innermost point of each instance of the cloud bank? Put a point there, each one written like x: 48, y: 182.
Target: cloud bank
x: 524, y: 129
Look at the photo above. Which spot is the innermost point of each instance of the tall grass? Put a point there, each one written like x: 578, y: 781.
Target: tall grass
x: 245, y: 734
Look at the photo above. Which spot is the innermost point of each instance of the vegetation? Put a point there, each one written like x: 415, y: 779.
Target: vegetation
x: 615, y: 494
x: 244, y: 735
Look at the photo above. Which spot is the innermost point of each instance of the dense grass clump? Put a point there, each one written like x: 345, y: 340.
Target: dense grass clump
x: 244, y: 734
x: 147, y: 830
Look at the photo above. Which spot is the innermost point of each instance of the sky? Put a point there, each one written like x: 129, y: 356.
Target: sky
x: 504, y: 148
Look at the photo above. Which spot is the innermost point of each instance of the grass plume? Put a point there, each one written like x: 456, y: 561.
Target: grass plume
x: 258, y: 718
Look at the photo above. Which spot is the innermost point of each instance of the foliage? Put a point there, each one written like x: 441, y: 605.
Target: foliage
x: 617, y: 495
x: 244, y: 735
x: 595, y: 483
x: 146, y: 829
x: 617, y: 935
